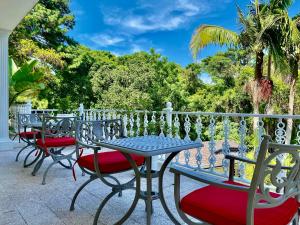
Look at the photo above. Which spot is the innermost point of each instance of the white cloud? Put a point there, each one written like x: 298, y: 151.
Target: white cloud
x: 149, y: 24
x: 156, y: 15
x: 104, y: 40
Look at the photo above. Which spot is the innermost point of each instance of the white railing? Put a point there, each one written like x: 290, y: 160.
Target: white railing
x: 220, y: 133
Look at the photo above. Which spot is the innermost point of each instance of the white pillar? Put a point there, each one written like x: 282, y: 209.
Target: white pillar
x: 169, y: 110
x: 28, y: 107
x: 5, y: 142
x: 81, y: 110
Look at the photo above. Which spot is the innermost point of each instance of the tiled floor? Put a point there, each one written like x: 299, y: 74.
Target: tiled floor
x: 23, y: 200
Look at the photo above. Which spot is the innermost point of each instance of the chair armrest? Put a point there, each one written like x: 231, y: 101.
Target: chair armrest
x: 232, y: 158
x: 82, y: 144
x: 206, y: 177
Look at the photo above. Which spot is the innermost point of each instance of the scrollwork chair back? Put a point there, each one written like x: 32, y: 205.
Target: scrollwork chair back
x: 27, y: 120
x: 54, y: 126
x: 274, y: 175
x: 90, y: 132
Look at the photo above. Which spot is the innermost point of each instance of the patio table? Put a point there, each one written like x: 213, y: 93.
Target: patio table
x: 149, y: 146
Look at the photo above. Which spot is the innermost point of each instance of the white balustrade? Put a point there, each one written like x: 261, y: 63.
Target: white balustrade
x: 220, y: 133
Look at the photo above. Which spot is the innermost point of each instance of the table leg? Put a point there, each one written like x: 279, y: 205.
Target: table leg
x: 160, y: 187
x: 149, y: 189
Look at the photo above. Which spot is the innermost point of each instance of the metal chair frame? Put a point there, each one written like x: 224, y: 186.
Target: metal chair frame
x: 53, y: 127
x: 264, y: 167
x: 25, y: 122
x: 88, y: 134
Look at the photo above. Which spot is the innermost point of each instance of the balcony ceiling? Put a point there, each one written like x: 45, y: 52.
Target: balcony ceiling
x: 13, y: 11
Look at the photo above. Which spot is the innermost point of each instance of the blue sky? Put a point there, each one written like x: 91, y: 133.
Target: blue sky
x: 127, y: 26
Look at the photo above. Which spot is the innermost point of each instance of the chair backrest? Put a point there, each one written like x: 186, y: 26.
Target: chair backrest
x: 277, y: 170
x: 55, y: 126
x: 28, y: 120
x: 91, y: 132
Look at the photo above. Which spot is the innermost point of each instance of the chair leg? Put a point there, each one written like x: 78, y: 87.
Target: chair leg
x: 15, y: 137
x: 38, y: 165
x: 103, y: 203
x: 79, y: 190
x: 22, y: 149
x: 65, y: 166
x: 46, y: 172
x: 34, y: 161
x: 296, y: 220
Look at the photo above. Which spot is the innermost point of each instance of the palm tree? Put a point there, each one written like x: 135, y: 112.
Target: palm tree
x: 285, y: 32
x: 258, y: 35
x: 290, y: 29
x: 24, y: 81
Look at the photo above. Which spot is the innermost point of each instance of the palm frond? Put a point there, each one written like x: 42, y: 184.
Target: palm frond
x: 281, y: 4
x: 209, y: 34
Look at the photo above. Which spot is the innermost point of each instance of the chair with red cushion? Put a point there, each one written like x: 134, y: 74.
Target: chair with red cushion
x: 28, y: 136
x: 57, y: 134
x: 230, y: 203
x: 102, y: 164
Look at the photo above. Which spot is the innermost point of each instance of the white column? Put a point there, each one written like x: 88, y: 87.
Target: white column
x: 5, y: 142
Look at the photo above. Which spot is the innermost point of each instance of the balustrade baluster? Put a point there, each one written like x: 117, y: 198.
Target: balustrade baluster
x: 125, y: 119
x: 280, y: 137
x: 177, y: 128
x: 199, y: 133
x: 280, y: 134
x: 260, y: 134
x: 162, y: 124
x: 131, y: 123
x: 145, y: 124
x: 138, y: 124
x: 187, y: 128
x: 212, y: 143
x: 153, y: 122
x: 225, y: 145
x: 242, y: 146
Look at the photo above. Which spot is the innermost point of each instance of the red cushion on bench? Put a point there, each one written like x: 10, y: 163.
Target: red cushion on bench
x: 222, y: 206
x: 30, y: 134
x: 56, y: 142
x: 109, y: 162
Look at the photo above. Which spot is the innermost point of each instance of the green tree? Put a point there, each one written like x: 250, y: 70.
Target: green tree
x: 24, y: 80
x: 42, y: 35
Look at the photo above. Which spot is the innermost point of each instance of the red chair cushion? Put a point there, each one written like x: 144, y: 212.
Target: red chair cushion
x: 30, y: 134
x: 56, y: 142
x: 222, y: 206
x: 109, y: 162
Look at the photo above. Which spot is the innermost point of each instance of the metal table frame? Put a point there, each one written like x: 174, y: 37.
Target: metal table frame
x: 148, y: 196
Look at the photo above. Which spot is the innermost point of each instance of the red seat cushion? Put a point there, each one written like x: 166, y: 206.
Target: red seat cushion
x: 56, y: 142
x: 109, y: 162
x: 222, y: 206
x: 30, y: 134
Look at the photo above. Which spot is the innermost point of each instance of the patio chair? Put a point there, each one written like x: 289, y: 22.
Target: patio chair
x: 28, y: 136
x: 104, y: 164
x: 233, y: 203
x: 57, y: 134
